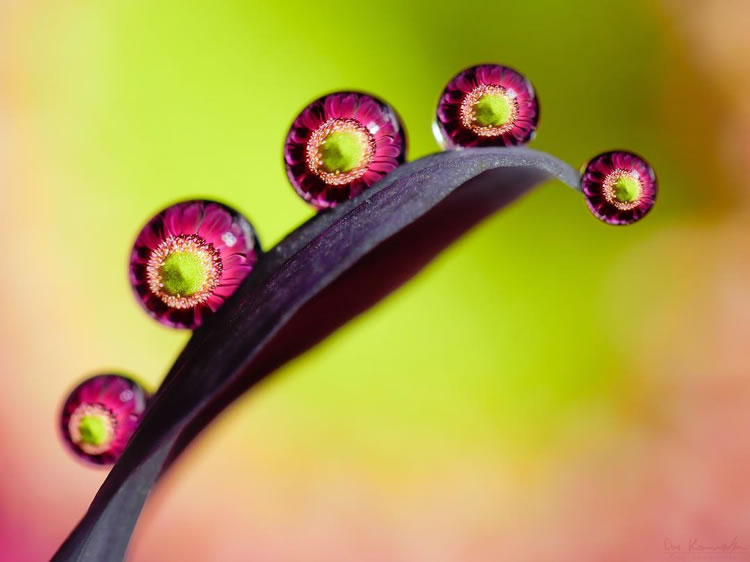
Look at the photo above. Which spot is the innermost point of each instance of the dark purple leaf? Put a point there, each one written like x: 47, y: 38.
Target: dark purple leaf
x: 324, y: 273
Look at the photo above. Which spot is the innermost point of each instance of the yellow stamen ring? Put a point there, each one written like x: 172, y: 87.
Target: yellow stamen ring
x: 316, y: 156
x: 208, y: 275
x: 77, y: 420
x: 472, y: 102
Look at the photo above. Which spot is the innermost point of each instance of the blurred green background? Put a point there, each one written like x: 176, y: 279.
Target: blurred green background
x: 527, y: 394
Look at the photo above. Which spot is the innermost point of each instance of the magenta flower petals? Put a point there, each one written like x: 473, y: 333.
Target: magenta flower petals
x: 100, y: 415
x: 487, y: 105
x: 620, y: 187
x: 189, y: 259
x: 340, y: 145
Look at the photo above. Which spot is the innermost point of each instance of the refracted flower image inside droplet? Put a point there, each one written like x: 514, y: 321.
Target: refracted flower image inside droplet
x: 486, y: 105
x: 189, y: 259
x: 340, y: 145
x: 620, y: 187
x: 184, y: 270
x: 100, y: 415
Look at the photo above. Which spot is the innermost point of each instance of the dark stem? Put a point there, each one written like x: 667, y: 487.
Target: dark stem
x: 332, y: 268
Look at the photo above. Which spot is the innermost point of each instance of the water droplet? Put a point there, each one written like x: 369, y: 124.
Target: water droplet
x: 179, y: 261
x: 334, y: 143
x: 486, y: 105
x: 100, y: 415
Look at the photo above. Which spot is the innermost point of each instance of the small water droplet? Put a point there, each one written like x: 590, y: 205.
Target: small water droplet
x: 117, y: 401
x: 182, y: 266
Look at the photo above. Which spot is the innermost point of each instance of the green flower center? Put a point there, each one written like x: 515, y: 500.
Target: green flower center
x: 626, y: 189
x: 341, y: 151
x: 94, y: 429
x: 183, y: 273
x: 493, y: 110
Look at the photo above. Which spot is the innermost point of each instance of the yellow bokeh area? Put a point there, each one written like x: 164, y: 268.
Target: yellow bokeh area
x: 550, y: 388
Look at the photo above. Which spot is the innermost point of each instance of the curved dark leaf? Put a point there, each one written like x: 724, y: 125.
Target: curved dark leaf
x: 327, y: 271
